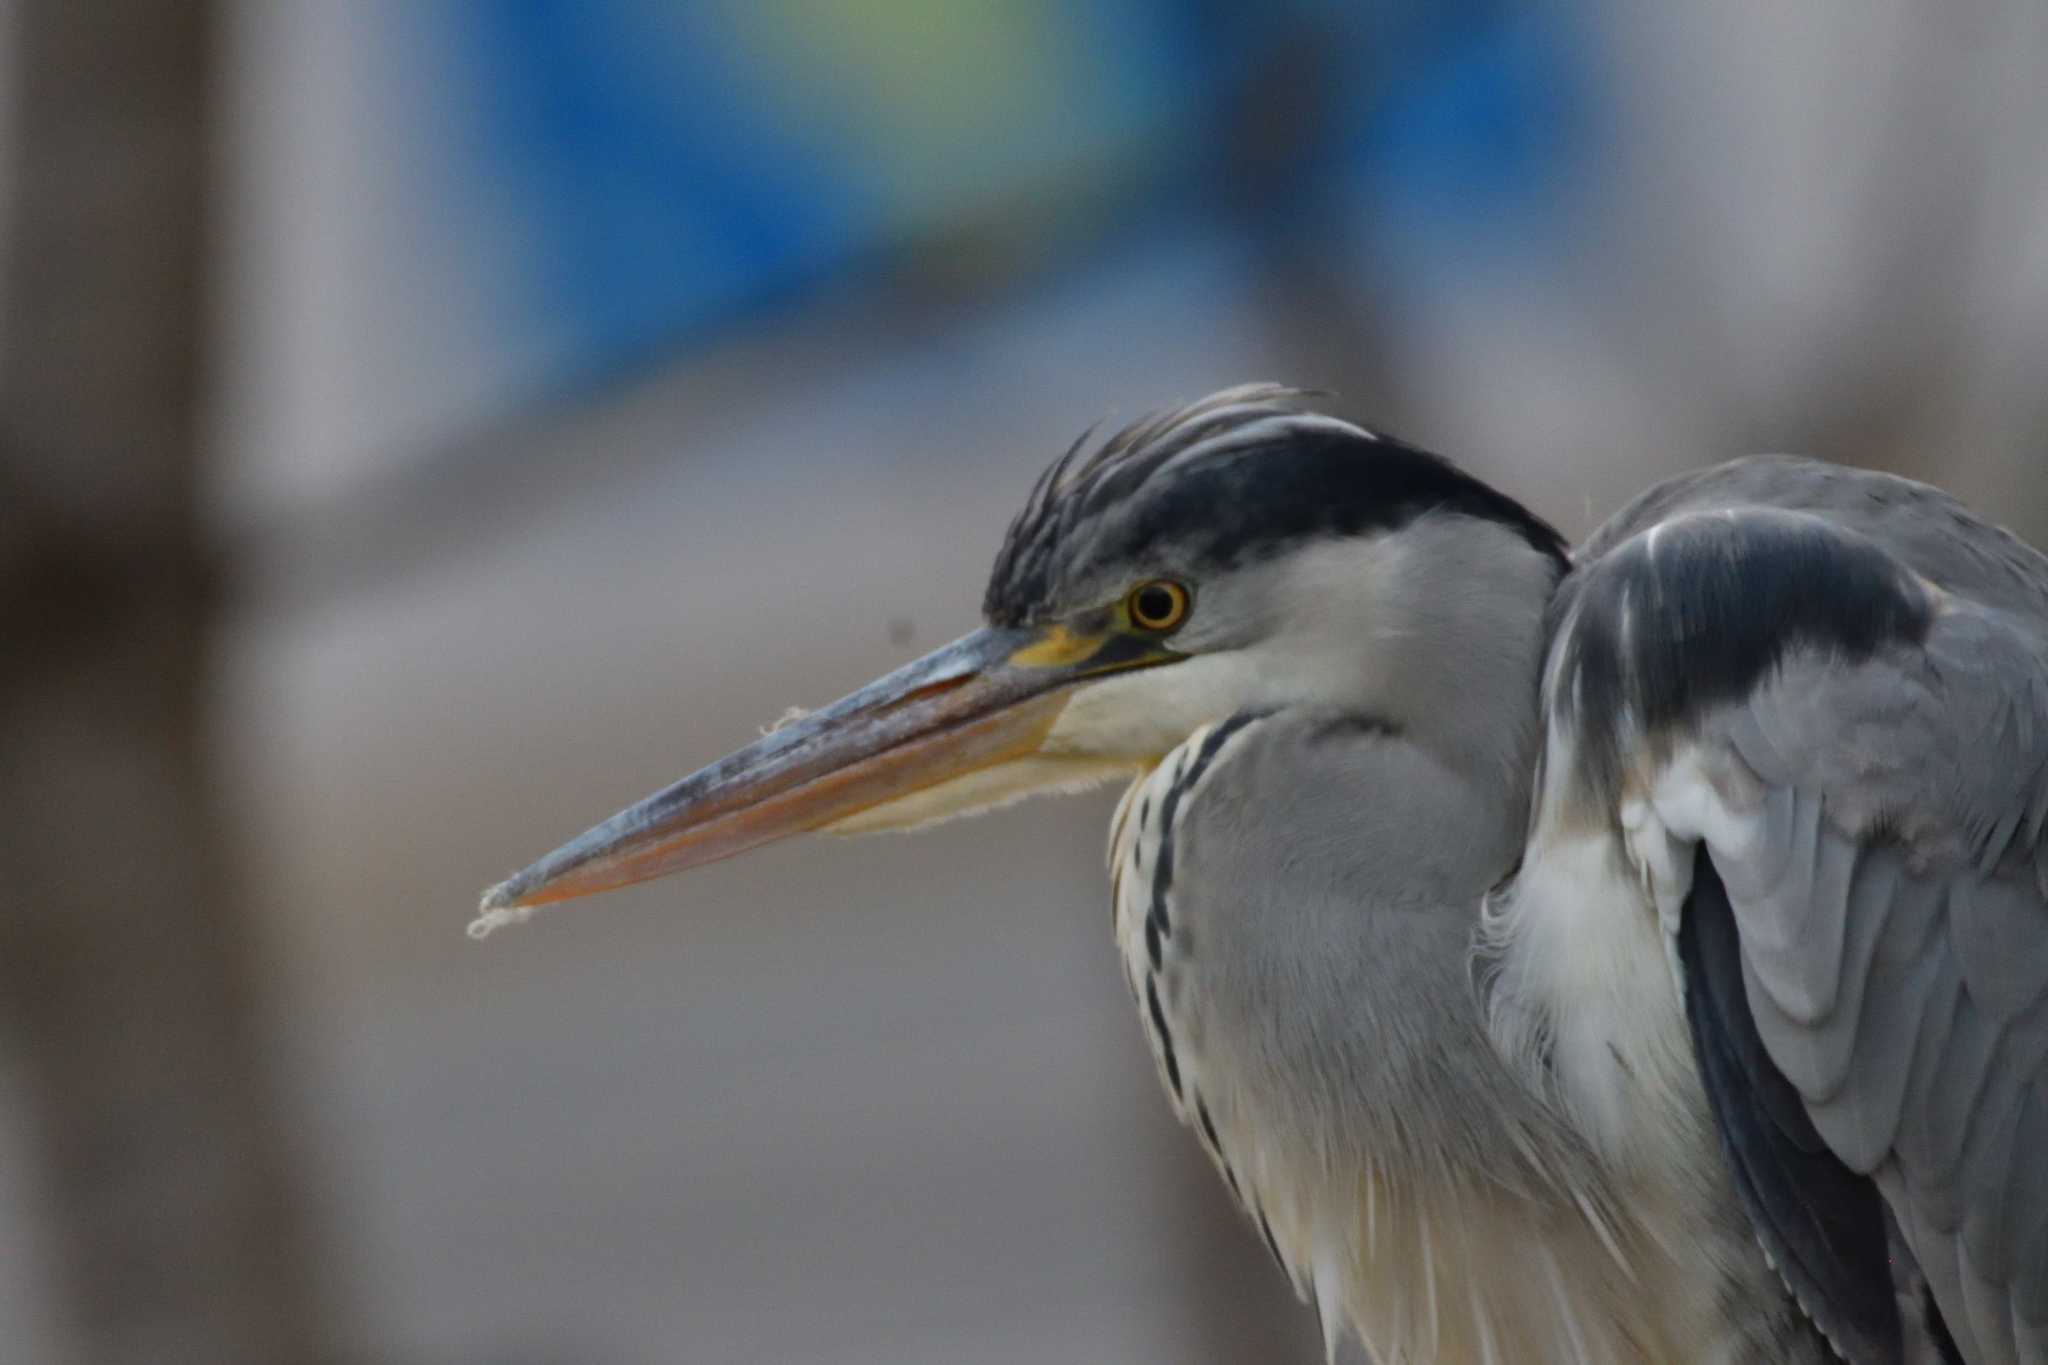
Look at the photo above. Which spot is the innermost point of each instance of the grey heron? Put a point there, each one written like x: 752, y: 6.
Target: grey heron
x: 1636, y: 954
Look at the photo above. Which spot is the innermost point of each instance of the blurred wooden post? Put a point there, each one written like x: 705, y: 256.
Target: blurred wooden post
x: 126, y: 963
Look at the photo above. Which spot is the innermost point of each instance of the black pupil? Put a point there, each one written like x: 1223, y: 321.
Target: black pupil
x: 1155, y: 605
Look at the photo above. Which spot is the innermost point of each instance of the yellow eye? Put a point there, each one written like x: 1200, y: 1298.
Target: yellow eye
x: 1158, y: 606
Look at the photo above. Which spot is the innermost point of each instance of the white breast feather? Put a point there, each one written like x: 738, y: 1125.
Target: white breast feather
x: 1587, y: 999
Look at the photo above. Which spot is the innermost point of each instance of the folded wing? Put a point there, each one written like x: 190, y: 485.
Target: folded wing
x: 1813, y: 705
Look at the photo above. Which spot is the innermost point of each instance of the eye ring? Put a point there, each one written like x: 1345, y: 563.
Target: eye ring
x: 1158, y: 605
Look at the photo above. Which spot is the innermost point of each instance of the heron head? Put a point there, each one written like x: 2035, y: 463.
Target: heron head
x: 1242, y: 552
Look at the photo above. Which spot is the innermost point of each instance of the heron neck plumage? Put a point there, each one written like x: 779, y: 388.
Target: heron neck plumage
x: 1456, y: 653
x: 1315, y: 1021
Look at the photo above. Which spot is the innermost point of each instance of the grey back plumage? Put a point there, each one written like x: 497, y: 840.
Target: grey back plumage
x: 1835, y: 683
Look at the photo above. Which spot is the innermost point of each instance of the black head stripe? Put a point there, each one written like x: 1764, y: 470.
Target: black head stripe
x: 1240, y: 473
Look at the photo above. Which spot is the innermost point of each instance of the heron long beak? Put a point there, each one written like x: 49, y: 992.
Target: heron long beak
x: 987, y: 699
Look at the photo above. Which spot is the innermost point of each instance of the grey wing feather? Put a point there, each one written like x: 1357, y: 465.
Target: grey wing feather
x: 1838, y: 683
x: 1823, y: 1223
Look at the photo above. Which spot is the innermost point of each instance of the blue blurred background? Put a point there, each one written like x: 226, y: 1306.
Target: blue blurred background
x: 589, y: 381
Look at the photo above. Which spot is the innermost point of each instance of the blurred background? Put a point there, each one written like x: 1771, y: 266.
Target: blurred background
x: 425, y: 428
